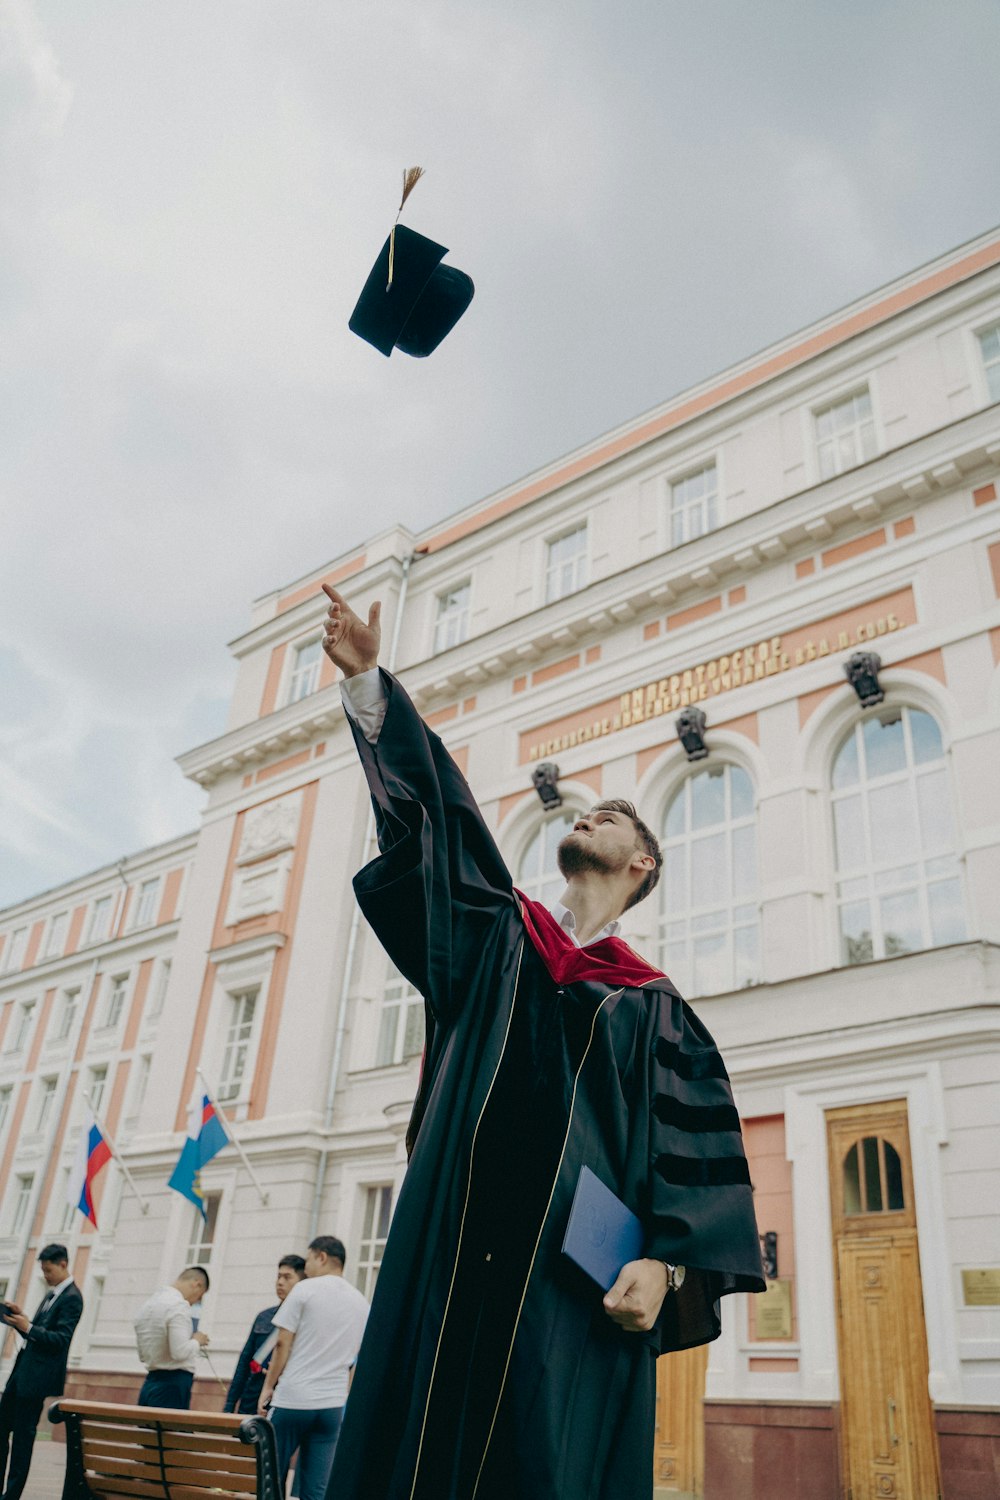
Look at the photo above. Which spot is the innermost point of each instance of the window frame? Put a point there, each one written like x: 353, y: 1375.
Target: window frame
x: 408, y: 1000
x: 724, y: 764
x: 20, y: 1035
x: 14, y: 951
x: 982, y: 368
x: 829, y: 401
x: 549, y: 568
x: 682, y: 476
x: 51, y: 929
x: 25, y: 1187
x: 48, y: 1087
x: 155, y: 883
x: 313, y: 672
x: 92, y: 938
x: 116, y: 1000
x: 237, y: 993
x: 364, y: 1264
x: 874, y: 869
x: 195, y: 1241
x: 440, y: 643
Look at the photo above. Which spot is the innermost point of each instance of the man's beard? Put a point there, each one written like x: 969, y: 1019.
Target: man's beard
x: 577, y: 857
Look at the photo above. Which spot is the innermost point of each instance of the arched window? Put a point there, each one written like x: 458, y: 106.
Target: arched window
x: 873, y: 1177
x: 538, y: 873
x: 709, y: 916
x: 898, y: 887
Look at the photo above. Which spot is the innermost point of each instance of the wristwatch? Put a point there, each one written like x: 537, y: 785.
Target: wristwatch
x: 675, y: 1277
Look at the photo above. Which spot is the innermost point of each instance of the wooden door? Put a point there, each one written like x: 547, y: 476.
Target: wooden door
x: 888, y: 1443
x: 679, y: 1444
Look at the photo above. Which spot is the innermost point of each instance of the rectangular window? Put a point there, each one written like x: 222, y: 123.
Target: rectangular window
x: 100, y: 919
x: 242, y: 1006
x: 306, y: 662
x: 95, y: 1296
x: 14, y: 951
x: 401, y: 1030
x: 139, y: 1087
x: 21, y: 1027
x: 96, y: 1085
x: 374, y: 1232
x: 69, y: 1210
x: 46, y: 1100
x: 566, y: 564
x: 845, y: 434
x: 116, y: 999
x: 6, y: 1095
x: 145, y: 903
x: 451, y: 626
x: 199, y: 1250
x: 70, y: 1001
x: 160, y: 992
x: 989, y: 344
x: 21, y: 1201
x: 694, y: 505
x: 56, y: 940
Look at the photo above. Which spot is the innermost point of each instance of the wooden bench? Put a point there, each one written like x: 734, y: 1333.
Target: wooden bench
x: 149, y: 1453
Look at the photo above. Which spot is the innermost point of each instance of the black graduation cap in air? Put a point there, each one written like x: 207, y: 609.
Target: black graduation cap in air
x: 410, y: 300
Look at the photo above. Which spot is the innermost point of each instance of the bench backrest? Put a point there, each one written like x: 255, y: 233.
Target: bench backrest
x: 148, y: 1453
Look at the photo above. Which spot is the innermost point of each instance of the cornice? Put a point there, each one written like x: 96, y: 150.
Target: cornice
x: 901, y: 477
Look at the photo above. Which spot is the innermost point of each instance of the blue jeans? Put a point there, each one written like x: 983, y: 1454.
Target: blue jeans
x: 315, y: 1434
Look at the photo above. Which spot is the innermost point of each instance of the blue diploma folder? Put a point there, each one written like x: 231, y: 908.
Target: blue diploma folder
x: 602, y: 1234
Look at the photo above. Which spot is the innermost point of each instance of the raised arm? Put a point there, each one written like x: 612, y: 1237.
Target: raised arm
x: 439, y: 881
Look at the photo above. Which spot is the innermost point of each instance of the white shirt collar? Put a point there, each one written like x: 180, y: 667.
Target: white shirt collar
x: 55, y: 1290
x: 567, y: 920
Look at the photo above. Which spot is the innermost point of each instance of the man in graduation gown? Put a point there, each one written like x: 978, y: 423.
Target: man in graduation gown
x: 492, y: 1367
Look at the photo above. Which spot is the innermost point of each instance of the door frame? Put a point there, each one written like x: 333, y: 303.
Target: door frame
x: 920, y: 1084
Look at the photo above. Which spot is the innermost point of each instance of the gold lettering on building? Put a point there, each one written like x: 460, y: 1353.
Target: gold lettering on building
x: 709, y: 679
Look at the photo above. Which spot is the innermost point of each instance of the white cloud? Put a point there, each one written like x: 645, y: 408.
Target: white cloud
x: 188, y: 208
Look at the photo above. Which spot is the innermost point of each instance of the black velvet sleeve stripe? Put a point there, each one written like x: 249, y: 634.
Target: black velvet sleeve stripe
x: 688, y: 1065
x: 695, y: 1117
x: 693, y: 1171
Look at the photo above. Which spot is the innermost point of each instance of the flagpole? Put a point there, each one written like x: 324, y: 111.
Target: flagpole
x: 264, y: 1195
x: 143, y: 1202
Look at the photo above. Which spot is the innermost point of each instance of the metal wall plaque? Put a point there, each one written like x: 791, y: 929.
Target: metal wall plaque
x: 981, y: 1288
x: 773, y: 1311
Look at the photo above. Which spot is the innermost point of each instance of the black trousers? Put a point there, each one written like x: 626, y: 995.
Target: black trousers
x: 19, y: 1417
x: 171, y: 1388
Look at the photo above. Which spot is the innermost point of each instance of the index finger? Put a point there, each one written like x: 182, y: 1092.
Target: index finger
x: 332, y: 594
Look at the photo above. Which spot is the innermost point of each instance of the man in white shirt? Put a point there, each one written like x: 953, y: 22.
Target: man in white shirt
x: 320, y: 1326
x: 167, y: 1342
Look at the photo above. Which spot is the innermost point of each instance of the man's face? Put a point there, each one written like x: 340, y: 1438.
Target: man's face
x: 193, y: 1290
x: 600, y: 840
x: 286, y: 1278
x: 54, y: 1271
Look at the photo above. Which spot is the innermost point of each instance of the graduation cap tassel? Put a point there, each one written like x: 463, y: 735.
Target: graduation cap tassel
x: 411, y: 176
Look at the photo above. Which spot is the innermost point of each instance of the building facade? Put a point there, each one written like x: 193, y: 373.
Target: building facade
x: 830, y: 901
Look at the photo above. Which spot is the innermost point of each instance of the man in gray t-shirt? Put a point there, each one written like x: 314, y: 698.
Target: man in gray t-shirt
x: 320, y: 1326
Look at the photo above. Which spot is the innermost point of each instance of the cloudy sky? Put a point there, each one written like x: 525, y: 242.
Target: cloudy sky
x: 191, y: 195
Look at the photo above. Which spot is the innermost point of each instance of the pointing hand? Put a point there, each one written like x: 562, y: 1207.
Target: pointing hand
x: 350, y: 644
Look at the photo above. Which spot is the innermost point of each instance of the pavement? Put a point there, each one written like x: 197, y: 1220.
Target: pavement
x: 48, y: 1467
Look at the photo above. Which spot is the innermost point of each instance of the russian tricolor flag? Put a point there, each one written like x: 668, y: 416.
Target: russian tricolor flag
x: 92, y: 1152
x: 206, y: 1136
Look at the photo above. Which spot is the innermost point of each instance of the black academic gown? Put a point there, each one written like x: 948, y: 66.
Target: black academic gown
x: 489, y: 1368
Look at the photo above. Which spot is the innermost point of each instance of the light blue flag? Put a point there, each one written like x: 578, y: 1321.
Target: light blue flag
x: 206, y: 1137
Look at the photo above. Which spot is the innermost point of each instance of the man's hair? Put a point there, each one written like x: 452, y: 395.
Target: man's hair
x: 190, y: 1271
x: 295, y: 1262
x: 328, y: 1244
x: 54, y: 1252
x: 645, y: 839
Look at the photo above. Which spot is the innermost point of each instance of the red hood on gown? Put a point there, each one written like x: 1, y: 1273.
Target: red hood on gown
x: 610, y: 961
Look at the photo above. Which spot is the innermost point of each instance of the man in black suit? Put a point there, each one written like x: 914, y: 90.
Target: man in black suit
x: 40, y: 1368
x: 251, y: 1367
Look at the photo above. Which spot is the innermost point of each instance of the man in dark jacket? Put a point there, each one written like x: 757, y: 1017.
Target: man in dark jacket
x: 251, y: 1367
x: 40, y: 1368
